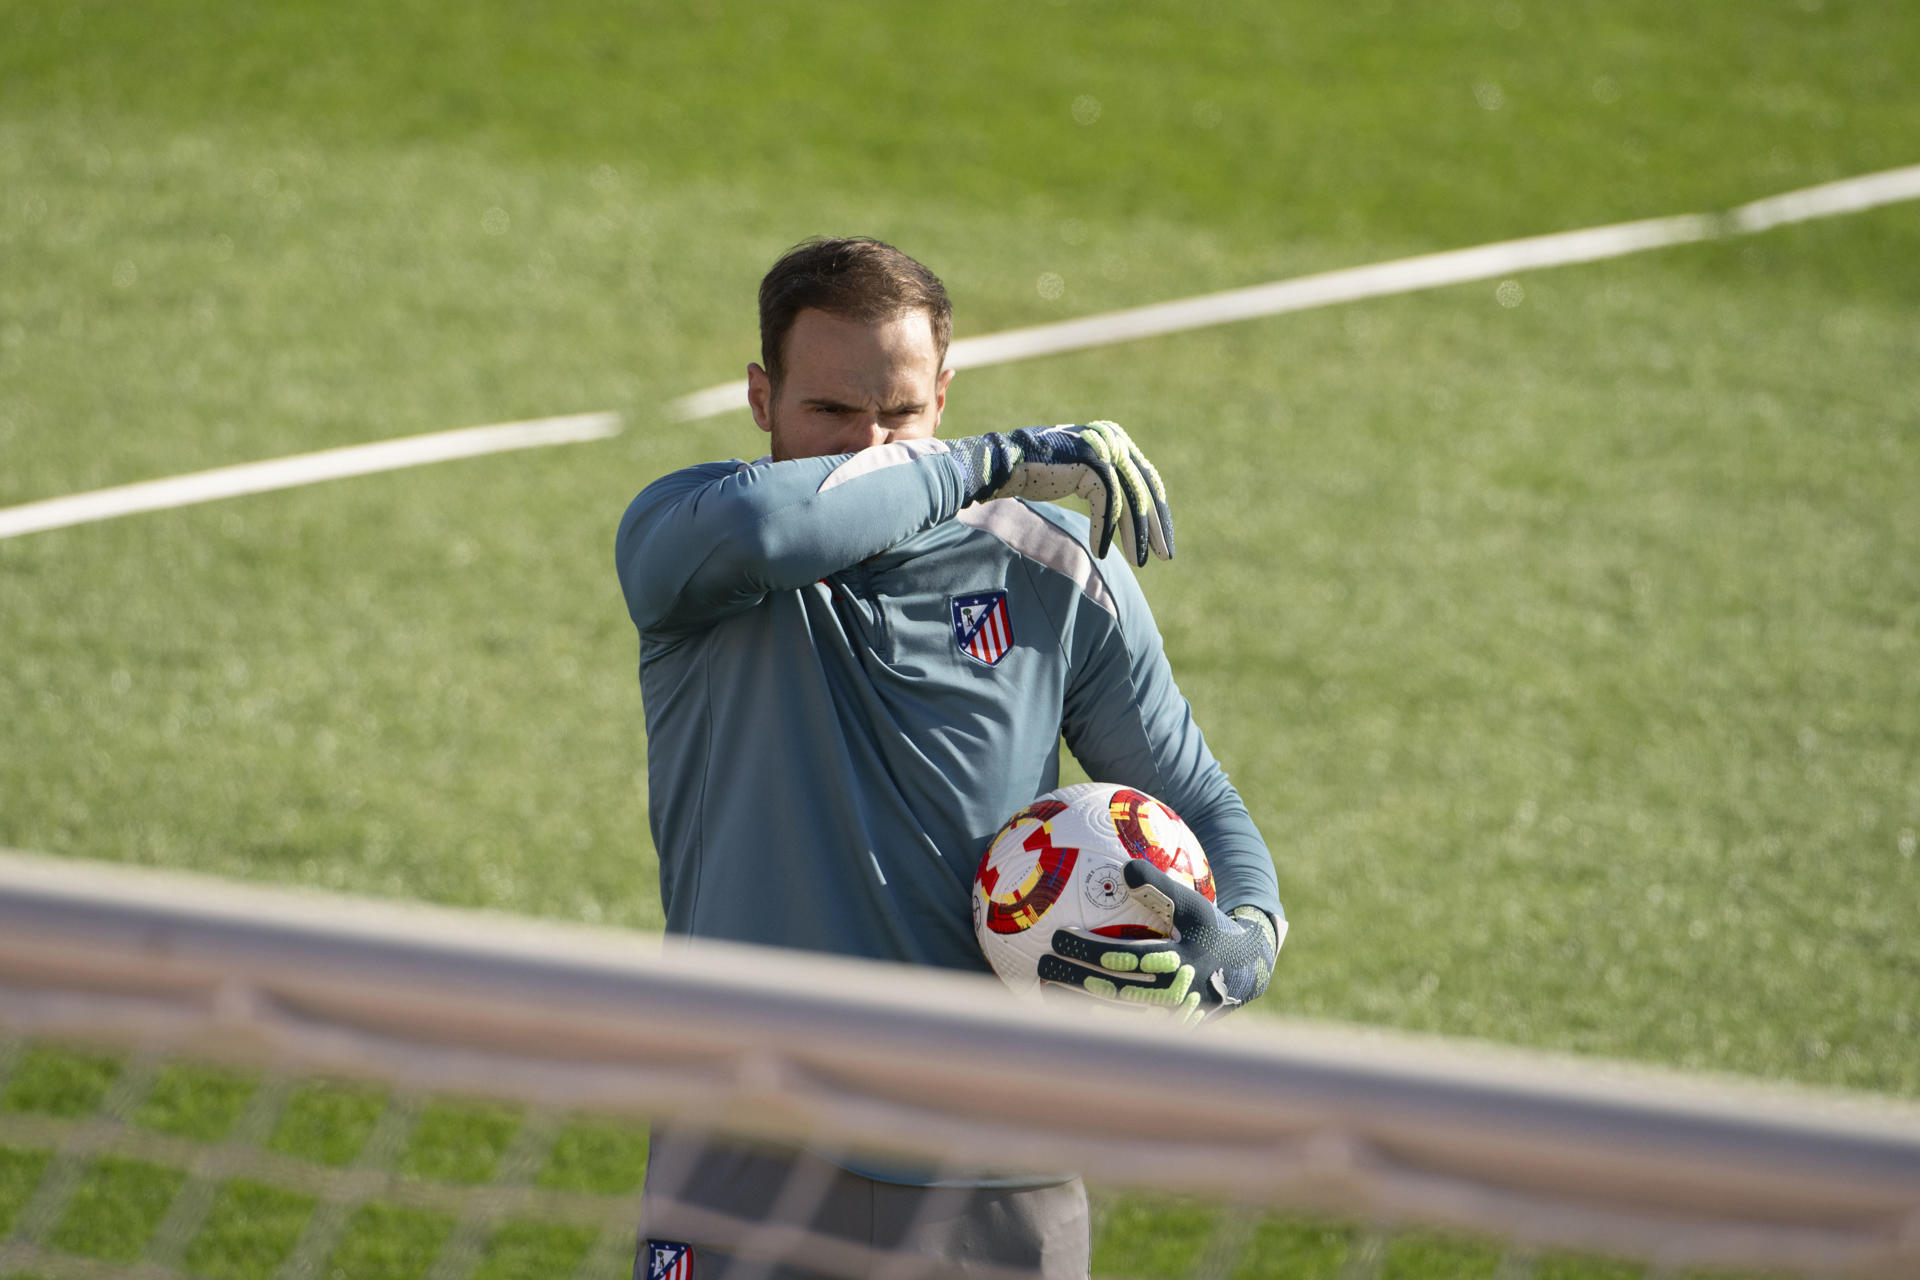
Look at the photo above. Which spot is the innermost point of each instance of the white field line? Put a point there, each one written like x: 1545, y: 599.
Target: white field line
x: 1405, y: 275
x: 303, y: 468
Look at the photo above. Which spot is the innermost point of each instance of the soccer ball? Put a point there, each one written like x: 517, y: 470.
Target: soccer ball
x: 1056, y: 865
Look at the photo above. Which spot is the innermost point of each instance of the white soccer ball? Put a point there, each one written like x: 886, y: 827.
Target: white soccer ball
x: 1056, y: 864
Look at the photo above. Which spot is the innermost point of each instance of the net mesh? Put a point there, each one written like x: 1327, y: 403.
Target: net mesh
x: 176, y: 1168
x: 152, y: 1185
x: 204, y: 1081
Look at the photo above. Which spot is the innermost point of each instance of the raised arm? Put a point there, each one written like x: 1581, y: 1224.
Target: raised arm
x: 709, y: 541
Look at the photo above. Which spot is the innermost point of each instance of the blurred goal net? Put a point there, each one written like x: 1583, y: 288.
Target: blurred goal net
x: 212, y: 1080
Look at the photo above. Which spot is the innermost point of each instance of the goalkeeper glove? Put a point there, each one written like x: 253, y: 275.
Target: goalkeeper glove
x: 1095, y: 461
x: 1211, y: 962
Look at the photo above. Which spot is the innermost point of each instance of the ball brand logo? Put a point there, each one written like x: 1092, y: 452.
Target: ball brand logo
x: 1106, y: 889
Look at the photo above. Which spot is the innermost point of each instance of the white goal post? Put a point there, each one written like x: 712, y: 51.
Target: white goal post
x: 1260, y: 1112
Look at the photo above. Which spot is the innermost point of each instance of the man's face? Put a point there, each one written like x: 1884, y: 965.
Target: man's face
x: 851, y: 385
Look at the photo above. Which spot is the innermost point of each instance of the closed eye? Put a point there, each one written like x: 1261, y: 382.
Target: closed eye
x: 837, y: 409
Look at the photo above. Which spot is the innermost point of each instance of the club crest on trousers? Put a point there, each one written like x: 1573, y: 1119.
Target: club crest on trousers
x: 669, y: 1260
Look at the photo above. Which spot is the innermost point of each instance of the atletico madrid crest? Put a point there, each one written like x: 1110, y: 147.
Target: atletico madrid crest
x: 669, y: 1260
x: 981, y: 626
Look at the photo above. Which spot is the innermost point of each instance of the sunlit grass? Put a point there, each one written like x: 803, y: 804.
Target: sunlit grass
x: 250, y: 1230
x: 192, y: 1101
x: 115, y: 1208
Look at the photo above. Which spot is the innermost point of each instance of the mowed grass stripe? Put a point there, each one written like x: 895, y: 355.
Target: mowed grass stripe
x: 1384, y: 279
x: 1330, y: 288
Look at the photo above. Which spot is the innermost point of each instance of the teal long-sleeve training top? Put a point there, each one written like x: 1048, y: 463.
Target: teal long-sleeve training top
x: 851, y: 682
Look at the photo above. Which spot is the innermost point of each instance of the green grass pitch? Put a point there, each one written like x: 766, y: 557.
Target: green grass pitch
x: 1565, y: 641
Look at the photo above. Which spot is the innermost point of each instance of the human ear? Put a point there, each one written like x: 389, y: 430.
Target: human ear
x: 760, y: 396
x: 940, y: 396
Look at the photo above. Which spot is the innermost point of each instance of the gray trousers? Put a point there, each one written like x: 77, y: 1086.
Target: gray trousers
x: 700, y: 1194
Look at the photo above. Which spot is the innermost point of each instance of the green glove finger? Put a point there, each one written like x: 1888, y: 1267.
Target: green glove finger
x: 1146, y: 492
x: 1110, y: 464
x: 1140, y: 530
x: 1108, y: 518
x: 1162, y: 514
x: 1147, y: 495
x: 1111, y: 441
x: 1147, y: 962
x: 1176, y: 993
x: 1094, y: 436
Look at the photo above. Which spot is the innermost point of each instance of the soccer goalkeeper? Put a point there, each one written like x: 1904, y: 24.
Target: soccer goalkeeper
x: 880, y: 638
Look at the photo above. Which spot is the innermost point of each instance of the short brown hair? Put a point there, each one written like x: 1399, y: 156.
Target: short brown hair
x: 854, y: 278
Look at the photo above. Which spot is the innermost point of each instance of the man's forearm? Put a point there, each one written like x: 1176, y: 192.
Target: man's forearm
x: 695, y: 548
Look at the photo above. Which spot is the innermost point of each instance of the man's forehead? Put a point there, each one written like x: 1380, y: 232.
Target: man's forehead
x: 897, y: 348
